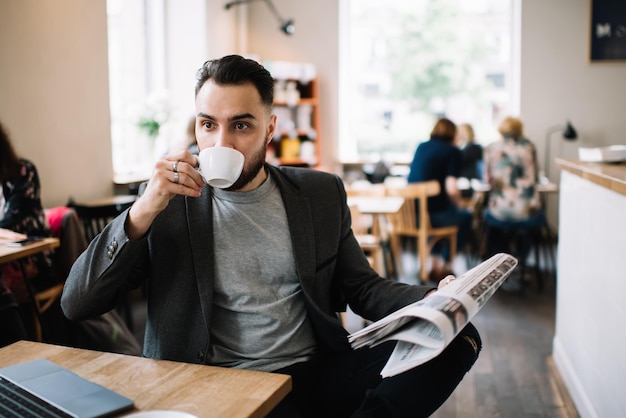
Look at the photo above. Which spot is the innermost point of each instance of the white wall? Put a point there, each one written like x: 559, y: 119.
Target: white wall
x: 558, y: 82
x: 54, y: 93
x: 55, y: 90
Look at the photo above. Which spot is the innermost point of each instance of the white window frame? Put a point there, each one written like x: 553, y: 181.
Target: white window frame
x: 347, y: 144
x: 137, y: 80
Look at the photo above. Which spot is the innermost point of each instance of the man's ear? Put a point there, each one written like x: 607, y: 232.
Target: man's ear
x: 271, y: 128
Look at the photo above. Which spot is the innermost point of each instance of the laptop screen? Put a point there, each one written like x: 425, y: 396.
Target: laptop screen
x: 65, y: 390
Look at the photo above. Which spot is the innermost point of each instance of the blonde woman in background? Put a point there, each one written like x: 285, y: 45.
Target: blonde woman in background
x: 471, y: 151
x: 510, y: 168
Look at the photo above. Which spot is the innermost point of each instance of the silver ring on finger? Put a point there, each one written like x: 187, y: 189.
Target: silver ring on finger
x: 176, y: 177
x: 175, y: 167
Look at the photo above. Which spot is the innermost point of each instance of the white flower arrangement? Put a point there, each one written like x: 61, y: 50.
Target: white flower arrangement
x: 155, y: 113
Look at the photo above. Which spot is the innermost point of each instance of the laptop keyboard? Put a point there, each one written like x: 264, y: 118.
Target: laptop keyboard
x: 16, y: 402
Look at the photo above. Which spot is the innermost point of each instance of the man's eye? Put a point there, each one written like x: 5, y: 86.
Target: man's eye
x: 241, y: 125
x: 207, y: 124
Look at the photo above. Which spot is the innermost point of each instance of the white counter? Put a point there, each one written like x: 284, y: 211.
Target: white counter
x: 590, y: 338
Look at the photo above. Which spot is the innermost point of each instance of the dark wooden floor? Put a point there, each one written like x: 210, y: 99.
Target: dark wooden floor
x: 514, y: 375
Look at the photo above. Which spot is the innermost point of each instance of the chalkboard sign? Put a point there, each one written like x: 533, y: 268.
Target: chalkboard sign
x: 608, y: 30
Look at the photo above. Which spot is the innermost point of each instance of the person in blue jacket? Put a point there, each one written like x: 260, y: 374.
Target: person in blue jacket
x: 439, y: 159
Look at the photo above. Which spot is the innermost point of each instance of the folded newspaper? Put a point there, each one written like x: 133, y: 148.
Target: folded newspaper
x: 424, y: 328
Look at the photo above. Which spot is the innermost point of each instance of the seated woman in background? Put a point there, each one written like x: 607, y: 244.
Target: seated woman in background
x: 11, y: 323
x: 21, y: 215
x: 471, y: 152
x: 439, y: 159
x: 510, y: 168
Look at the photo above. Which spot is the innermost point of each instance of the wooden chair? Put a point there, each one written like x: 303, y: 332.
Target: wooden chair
x: 365, y: 189
x: 95, y: 218
x: 367, y: 235
x: 370, y: 243
x: 43, y: 301
x: 66, y: 227
x: 368, y: 223
x: 405, y: 224
x: 372, y: 227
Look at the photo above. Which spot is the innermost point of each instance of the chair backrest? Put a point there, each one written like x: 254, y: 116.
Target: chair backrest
x: 95, y: 218
x: 413, y: 193
x: 363, y: 224
x: 365, y: 189
x: 360, y: 223
x: 66, y: 225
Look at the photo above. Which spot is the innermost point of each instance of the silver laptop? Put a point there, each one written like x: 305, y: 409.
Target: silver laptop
x: 54, y: 385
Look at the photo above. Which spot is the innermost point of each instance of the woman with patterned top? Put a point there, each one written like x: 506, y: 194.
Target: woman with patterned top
x: 510, y: 168
x: 21, y: 215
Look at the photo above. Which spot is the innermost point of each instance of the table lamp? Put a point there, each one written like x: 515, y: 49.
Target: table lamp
x: 569, y: 133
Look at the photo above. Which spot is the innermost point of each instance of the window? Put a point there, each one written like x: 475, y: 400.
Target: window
x: 404, y: 63
x: 138, y: 98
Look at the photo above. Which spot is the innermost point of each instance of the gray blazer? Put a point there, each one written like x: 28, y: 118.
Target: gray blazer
x: 176, y: 259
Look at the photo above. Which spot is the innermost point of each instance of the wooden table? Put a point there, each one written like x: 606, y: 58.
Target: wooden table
x: 481, y: 187
x: 371, y: 205
x: 379, y: 207
x: 8, y: 254
x: 204, y: 391
x: 478, y: 201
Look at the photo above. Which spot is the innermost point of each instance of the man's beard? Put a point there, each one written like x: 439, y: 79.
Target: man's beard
x: 250, y: 169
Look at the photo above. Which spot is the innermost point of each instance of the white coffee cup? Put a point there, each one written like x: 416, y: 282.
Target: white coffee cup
x: 220, y: 166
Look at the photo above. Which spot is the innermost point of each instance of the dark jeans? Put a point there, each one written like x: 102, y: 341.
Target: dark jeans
x: 452, y: 216
x: 348, y: 384
x: 514, y: 236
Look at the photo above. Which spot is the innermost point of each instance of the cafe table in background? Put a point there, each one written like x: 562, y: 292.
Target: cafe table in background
x: 478, y: 202
x: 373, y: 202
x: 39, y: 301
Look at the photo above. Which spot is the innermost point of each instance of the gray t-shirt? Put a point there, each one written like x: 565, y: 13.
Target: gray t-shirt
x: 259, y: 316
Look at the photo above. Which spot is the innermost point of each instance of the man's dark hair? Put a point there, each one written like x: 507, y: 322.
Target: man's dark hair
x: 237, y: 70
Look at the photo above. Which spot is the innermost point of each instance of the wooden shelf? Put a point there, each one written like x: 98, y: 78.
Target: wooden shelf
x: 308, y: 97
x: 301, y: 102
